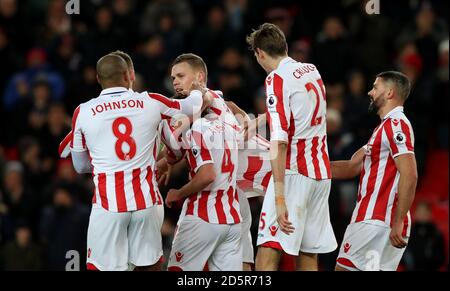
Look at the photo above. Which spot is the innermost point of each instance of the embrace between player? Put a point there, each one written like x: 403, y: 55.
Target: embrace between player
x: 295, y: 215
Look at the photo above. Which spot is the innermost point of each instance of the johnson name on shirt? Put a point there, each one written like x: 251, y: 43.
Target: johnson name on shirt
x: 116, y: 105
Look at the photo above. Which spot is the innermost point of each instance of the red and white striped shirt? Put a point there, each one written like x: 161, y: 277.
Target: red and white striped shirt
x: 213, y: 141
x: 378, y: 185
x: 254, y: 169
x: 296, y: 112
x: 119, y: 130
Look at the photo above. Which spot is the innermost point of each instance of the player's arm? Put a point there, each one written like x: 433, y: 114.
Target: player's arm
x: 78, y: 149
x: 64, y: 146
x: 203, y: 166
x: 406, y: 165
x: 278, y: 151
x: 205, y: 176
x: 81, y: 162
x: 400, y: 139
x: 253, y: 126
x: 350, y: 168
x: 240, y: 114
x: 249, y: 126
x: 189, y: 106
x: 278, y: 112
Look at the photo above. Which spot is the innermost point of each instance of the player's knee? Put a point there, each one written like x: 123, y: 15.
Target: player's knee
x: 307, y: 262
x: 267, y: 259
x: 247, y: 267
x: 309, y: 256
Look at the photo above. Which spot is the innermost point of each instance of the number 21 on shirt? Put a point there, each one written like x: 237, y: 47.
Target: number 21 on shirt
x: 319, y: 95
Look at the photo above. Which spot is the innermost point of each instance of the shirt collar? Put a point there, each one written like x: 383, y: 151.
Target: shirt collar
x: 390, y: 113
x: 113, y: 91
x: 285, y: 61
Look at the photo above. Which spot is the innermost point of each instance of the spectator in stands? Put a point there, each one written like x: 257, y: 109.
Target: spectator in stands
x: 63, y: 227
x: 37, y: 67
x: 179, y: 9
x: 425, y: 251
x: 81, y: 88
x: 214, y: 36
x: 18, y: 203
x: 332, y: 52
x: 21, y: 253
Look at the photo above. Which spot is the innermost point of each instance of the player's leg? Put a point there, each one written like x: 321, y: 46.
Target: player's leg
x: 338, y: 268
x: 362, y: 246
x: 318, y: 236
x: 288, y: 263
x: 105, y: 227
x: 390, y: 256
x: 145, y: 241
x: 227, y: 255
x: 194, y: 242
x: 247, y: 267
x: 307, y: 262
x: 246, y: 237
x: 152, y: 268
x: 271, y: 240
x: 269, y: 249
x: 267, y: 259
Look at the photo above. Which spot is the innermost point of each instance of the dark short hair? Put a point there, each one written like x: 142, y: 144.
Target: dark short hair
x: 193, y: 60
x: 124, y: 56
x: 401, y: 82
x: 269, y: 38
x: 110, y: 69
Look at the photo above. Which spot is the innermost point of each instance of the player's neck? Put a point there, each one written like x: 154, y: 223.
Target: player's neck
x: 109, y: 86
x: 388, y: 108
x: 274, y: 63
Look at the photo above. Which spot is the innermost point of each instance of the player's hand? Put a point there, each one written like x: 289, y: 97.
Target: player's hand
x: 208, y: 98
x: 283, y: 218
x: 396, y: 235
x: 172, y: 196
x: 164, y: 172
x: 197, y: 86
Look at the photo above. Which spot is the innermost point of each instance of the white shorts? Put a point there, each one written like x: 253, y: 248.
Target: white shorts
x: 116, y: 240
x: 197, y: 243
x: 307, y: 204
x: 366, y: 246
x: 246, y: 236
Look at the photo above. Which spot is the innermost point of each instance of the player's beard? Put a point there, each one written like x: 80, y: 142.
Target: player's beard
x: 375, y: 105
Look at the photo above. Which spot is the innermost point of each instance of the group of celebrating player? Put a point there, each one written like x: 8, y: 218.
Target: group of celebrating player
x: 118, y: 135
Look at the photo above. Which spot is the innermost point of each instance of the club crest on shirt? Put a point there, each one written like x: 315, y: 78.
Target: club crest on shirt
x: 399, y: 137
x: 272, y: 101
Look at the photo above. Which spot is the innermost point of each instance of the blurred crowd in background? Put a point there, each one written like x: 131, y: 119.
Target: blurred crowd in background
x: 47, y: 68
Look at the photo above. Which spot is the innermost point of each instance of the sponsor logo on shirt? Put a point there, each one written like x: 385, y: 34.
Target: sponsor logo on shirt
x: 179, y: 256
x: 273, y: 230
x: 347, y: 247
x: 399, y: 137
